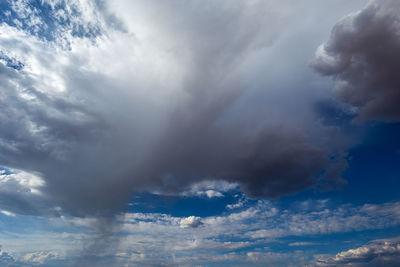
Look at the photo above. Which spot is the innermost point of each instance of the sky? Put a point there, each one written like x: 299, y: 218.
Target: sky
x: 199, y: 133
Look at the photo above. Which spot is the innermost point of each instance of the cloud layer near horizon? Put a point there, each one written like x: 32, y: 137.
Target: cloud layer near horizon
x: 377, y: 253
x: 257, y: 233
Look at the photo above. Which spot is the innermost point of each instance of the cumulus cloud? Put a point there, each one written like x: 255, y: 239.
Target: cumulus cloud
x: 376, y: 253
x: 190, y: 222
x: 362, y: 55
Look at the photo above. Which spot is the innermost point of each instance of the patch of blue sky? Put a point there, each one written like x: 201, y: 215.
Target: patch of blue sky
x: 372, y: 175
x: 183, y: 206
x: 4, y: 170
x: 374, y: 168
x: 11, y: 62
x: 45, y: 21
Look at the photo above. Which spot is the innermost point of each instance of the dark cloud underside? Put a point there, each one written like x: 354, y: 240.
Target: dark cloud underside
x: 362, y: 55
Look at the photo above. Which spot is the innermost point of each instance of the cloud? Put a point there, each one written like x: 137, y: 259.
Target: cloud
x: 39, y: 257
x: 259, y: 224
x: 210, y: 189
x: 385, y: 252
x: 20, y: 192
x: 143, y: 103
x: 190, y: 222
x: 146, y: 238
x: 362, y: 55
x: 6, y: 259
x: 241, y: 202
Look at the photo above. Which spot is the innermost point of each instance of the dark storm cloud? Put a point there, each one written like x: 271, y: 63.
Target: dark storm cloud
x: 148, y: 109
x: 271, y: 163
x: 362, y: 54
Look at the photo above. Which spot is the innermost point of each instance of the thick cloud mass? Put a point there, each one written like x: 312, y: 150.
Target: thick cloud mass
x: 136, y: 95
x: 363, y: 56
x: 273, y: 162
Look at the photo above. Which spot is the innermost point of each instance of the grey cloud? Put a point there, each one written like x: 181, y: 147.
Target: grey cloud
x: 362, y: 56
x: 148, y: 108
x: 376, y: 253
x: 275, y: 162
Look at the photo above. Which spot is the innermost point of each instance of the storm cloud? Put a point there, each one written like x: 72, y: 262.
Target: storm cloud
x: 145, y: 102
x: 362, y: 56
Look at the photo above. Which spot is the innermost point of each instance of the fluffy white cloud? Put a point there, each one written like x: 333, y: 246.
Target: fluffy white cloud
x: 190, y: 222
x: 377, y: 253
x: 210, y: 189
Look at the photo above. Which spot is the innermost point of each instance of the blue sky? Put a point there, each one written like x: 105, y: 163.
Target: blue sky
x: 199, y: 133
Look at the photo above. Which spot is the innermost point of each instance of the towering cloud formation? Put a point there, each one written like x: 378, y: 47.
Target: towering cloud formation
x: 138, y: 95
x: 362, y: 54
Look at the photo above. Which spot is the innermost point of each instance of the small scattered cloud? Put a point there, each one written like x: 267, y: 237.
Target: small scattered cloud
x: 40, y: 257
x: 210, y: 189
x: 241, y: 202
x: 190, y: 222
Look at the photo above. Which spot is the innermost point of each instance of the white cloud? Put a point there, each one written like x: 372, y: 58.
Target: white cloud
x: 144, y: 237
x: 40, y: 257
x: 29, y: 182
x: 7, y: 213
x: 237, y: 205
x: 22, y: 193
x: 190, y: 222
x: 385, y: 252
x: 210, y: 189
